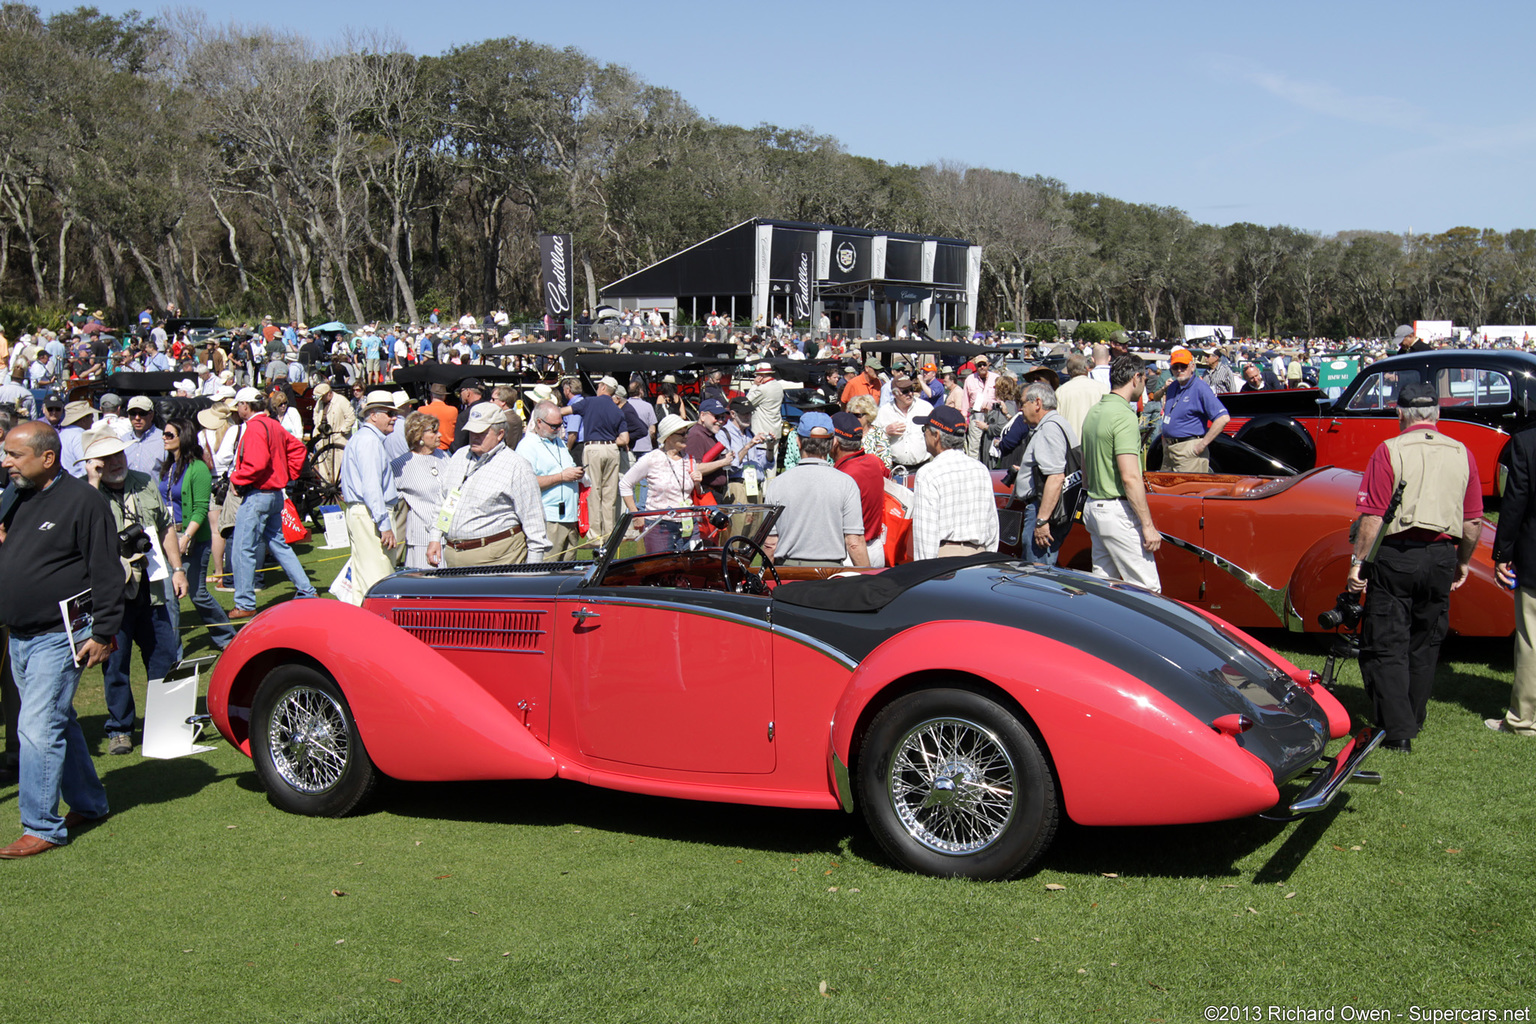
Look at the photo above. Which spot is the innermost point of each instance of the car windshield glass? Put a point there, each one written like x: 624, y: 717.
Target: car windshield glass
x: 1380, y: 390
x: 694, y: 528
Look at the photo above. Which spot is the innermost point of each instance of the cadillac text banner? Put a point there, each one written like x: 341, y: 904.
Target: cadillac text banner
x: 559, y: 270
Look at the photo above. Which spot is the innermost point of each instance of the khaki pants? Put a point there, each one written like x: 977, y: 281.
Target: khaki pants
x: 1182, y: 457
x: 1118, y: 549
x: 602, y: 461
x: 370, y: 562
x: 564, y: 539
x: 511, y: 550
x: 1521, y: 716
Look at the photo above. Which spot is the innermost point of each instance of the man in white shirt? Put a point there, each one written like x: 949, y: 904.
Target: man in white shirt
x: 899, y: 421
x: 1080, y: 393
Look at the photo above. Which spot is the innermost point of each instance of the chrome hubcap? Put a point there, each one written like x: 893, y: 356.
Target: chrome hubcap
x: 307, y: 738
x: 952, y: 785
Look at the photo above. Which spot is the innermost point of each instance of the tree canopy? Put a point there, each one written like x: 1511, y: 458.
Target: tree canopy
x: 242, y: 172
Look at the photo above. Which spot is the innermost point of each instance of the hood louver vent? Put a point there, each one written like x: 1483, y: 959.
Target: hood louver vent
x: 474, y: 629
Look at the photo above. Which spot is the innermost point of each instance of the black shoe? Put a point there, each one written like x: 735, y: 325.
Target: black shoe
x: 1401, y: 746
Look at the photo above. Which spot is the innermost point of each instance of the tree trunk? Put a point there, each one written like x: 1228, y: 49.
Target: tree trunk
x: 64, y: 226
x: 234, y: 247
x: 586, y: 266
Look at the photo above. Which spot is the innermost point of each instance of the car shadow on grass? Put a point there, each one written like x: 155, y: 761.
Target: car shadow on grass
x: 1181, y: 851
x: 558, y: 803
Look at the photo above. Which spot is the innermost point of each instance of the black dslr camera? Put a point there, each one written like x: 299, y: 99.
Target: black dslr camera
x: 1346, y: 611
x: 132, y: 541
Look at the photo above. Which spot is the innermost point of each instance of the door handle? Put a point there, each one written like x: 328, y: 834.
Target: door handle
x: 581, y: 615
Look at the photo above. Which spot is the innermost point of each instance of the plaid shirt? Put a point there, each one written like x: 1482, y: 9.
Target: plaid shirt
x: 497, y: 491
x: 952, y: 501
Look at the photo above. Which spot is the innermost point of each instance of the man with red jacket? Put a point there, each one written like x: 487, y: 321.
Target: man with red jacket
x: 267, y: 458
x: 869, y: 473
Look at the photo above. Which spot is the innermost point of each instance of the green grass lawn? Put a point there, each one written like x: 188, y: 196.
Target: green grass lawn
x: 550, y: 901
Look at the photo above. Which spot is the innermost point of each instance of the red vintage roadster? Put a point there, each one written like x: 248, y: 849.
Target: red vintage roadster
x: 964, y: 704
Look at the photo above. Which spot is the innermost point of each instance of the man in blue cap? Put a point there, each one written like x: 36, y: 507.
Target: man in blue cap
x: 823, y: 520
x: 706, y: 447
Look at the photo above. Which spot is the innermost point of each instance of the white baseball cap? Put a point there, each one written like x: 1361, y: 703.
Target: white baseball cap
x: 248, y: 395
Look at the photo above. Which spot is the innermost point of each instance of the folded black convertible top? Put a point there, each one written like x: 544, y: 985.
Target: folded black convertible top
x: 870, y: 592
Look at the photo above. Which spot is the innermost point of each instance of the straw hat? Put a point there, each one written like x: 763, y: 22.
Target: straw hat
x: 669, y: 425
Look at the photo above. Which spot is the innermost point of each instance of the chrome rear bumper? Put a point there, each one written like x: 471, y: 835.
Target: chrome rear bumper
x: 1332, y: 773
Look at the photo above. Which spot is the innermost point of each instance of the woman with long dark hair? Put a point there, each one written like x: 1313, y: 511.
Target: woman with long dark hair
x: 186, y: 483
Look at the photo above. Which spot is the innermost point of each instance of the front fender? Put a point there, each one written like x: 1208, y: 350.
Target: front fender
x: 420, y: 716
x: 1124, y: 753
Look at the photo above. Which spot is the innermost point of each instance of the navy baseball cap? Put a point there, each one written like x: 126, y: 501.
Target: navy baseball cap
x: 943, y: 419
x: 713, y: 405
x: 848, y: 426
x: 815, y: 424
x: 1417, y: 396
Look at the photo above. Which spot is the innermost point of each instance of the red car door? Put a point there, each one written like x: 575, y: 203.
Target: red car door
x: 663, y: 678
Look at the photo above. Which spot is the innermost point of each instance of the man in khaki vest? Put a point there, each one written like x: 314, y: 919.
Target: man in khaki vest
x: 1426, y: 547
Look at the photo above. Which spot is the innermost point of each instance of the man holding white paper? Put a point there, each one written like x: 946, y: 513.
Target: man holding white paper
x: 56, y: 534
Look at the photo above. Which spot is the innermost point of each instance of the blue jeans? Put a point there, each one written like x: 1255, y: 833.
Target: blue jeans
x: 54, y: 758
x: 1033, y: 553
x: 260, y: 522
x: 209, y: 610
x: 150, y: 627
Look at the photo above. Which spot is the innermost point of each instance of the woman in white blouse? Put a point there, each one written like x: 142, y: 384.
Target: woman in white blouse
x: 670, y: 478
x: 419, y: 479
x: 217, y: 438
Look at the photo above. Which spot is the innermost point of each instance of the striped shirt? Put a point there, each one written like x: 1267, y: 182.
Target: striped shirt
x: 952, y: 501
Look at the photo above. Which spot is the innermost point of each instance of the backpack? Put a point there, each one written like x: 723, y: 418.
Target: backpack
x: 1073, y: 493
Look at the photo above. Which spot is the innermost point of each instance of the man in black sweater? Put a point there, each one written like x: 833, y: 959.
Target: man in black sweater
x: 56, y: 534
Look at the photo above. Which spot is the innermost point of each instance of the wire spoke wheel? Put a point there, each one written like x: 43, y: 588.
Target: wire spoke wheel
x: 305, y: 744
x: 307, y: 737
x: 952, y: 785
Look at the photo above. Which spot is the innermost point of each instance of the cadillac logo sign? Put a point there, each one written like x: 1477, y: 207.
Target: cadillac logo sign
x: 847, y: 256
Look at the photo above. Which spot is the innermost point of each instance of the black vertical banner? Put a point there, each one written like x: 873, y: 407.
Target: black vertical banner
x: 559, y: 272
x: 803, y: 287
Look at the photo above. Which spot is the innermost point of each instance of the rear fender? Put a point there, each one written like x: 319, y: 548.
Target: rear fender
x: 420, y: 716
x: 1124, y: 753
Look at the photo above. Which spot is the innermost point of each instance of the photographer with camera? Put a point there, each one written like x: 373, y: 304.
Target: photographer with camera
x: 57, y: 537
x: 1425, y: 548
x: 137, y: 512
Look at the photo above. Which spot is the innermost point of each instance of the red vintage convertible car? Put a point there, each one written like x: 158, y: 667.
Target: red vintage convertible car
x: 1266, y: 551
x: 965, y: 704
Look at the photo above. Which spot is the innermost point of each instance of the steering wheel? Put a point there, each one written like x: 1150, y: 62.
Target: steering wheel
x: 751, y: 582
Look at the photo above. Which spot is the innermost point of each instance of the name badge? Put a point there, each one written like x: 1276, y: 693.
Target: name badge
x: 685, y: 528
x: 445, y: 512
x: 749, y: 480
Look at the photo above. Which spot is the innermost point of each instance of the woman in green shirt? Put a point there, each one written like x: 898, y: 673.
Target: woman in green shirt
x: 188, y: 483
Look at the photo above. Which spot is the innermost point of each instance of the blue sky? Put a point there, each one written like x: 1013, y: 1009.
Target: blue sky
x: 1353, y: 114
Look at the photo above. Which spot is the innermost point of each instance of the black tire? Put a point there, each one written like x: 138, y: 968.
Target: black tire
x: 305, y: 744
x: 921, y: 769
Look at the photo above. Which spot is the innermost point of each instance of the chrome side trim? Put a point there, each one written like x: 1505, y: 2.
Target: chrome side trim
x: 839, y: 771
x: 1275, y: 599
x: 795, y: 636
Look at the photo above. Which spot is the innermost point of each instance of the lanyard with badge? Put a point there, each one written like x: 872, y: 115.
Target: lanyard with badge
x: 450, y: 503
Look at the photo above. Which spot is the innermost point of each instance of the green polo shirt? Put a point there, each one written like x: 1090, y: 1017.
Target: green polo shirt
x: 1109, y: 429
